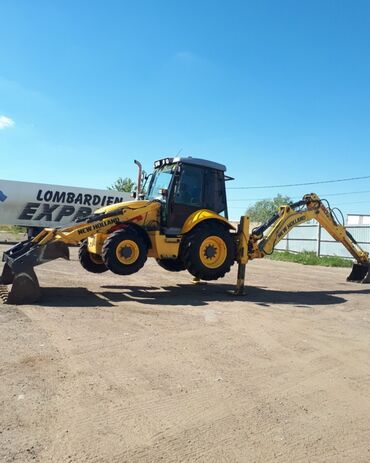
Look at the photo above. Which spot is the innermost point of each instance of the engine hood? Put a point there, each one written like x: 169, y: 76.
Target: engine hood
x: 119, y: 206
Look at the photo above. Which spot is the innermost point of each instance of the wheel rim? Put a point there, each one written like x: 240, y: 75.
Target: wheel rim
x: 213, y: 252
x: 127, y: 252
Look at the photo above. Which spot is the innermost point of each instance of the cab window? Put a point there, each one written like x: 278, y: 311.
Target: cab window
x: 160, y: 180
x: 214, y: 195
x: 189, y: 188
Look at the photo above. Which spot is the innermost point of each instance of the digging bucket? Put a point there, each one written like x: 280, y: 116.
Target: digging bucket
x: 360, y: 273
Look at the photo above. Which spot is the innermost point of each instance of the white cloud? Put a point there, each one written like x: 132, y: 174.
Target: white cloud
x: 6, y: 122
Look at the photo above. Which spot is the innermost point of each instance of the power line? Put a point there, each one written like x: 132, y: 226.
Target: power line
x: 298, y: 184
x: 356, y: 202
x: 323, y: 195
x: 340, y: 204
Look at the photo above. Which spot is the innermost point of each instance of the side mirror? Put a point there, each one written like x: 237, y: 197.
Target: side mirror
x: 133, y: 194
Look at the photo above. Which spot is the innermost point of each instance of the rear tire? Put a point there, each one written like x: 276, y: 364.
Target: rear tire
x: 208, y: 251
x: 90, y: 262
x: 125, y: 251
x: 172, y: 265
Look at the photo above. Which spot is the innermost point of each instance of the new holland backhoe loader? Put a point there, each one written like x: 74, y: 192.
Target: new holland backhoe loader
x: 180, y: 219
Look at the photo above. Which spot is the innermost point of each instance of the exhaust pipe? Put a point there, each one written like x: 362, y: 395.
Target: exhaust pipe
x: 19, y: 271
x: 139, y: 178
x: 360, y: 273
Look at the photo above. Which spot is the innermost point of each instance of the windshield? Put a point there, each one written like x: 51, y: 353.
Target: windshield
x: 160, y: 180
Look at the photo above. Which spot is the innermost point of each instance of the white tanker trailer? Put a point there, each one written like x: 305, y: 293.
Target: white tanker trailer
x: 39, y: 205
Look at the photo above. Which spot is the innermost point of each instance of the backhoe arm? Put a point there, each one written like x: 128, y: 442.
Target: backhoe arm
x: 263, y: 239
x: 292, y: 215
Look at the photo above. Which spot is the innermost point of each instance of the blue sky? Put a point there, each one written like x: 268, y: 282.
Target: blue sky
x: 279, y: 91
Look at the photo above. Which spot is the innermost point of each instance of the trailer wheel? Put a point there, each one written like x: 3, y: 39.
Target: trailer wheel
x: 172, y: 265
x: 125, y: 251
x: 90, y: 262
x: 208, y: 251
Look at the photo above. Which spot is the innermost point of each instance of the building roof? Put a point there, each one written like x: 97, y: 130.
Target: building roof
x: 359, y: 215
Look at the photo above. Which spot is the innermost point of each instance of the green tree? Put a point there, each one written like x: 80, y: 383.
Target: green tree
x: 265, y: 208
x: 123, y: 184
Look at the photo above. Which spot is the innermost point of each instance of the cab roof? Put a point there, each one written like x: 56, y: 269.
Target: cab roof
x: 192, y: 161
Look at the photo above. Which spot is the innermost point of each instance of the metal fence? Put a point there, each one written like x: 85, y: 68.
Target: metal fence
x: 312, y: 237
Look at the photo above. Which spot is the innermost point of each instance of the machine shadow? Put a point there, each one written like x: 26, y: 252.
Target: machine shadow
x: 198, y: 295
x: 71, y: 297
x: 188, y: 295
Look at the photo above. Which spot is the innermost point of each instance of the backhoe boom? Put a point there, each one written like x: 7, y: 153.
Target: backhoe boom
x: 264, y: 238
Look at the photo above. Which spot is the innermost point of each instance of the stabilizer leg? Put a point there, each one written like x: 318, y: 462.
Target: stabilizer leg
x: 239, y: 290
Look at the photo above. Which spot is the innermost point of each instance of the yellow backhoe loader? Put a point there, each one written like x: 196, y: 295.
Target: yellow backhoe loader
x: 179, y: 218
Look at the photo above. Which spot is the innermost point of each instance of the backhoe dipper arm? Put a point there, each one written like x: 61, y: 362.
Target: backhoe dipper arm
x: 292, y: 215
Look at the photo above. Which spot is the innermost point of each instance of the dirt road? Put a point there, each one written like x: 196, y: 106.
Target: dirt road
x: 151, y: 368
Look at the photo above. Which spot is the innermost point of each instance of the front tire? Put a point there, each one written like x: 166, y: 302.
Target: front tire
x: 172, y: 265
x: 208, y: 251
x: 125, y: 252
x: 90, y: 262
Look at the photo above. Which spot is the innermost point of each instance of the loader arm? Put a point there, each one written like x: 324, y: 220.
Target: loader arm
x: 48, y: 245
x: 78, y: 232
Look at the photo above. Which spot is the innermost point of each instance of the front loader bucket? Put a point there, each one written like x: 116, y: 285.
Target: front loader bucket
x: 52, y: 251
x: 18, y: 270
x: 25, y: 286
x: 360, y: 273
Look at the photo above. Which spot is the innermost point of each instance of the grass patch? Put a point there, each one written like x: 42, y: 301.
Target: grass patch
x: 14, y: 229
x: 310, y: 258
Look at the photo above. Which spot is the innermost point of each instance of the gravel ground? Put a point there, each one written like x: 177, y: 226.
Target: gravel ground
x: 152, y: 368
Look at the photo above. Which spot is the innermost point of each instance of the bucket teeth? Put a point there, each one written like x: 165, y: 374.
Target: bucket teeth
x: 360, y: 273
x: 4, y: 294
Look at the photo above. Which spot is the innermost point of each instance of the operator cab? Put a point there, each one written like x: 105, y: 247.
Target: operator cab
x: 185, y: 185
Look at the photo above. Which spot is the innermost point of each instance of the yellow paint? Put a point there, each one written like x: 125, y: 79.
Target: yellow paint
x: 163, y: 247
x: 289, y: 218
x: 95, y: 243
x: 132, y: 205
x: 142, y: 213
x: 242, y: 238
x: 199, y: 216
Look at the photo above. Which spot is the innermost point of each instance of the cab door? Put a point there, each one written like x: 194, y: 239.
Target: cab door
x: 187, y: 196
